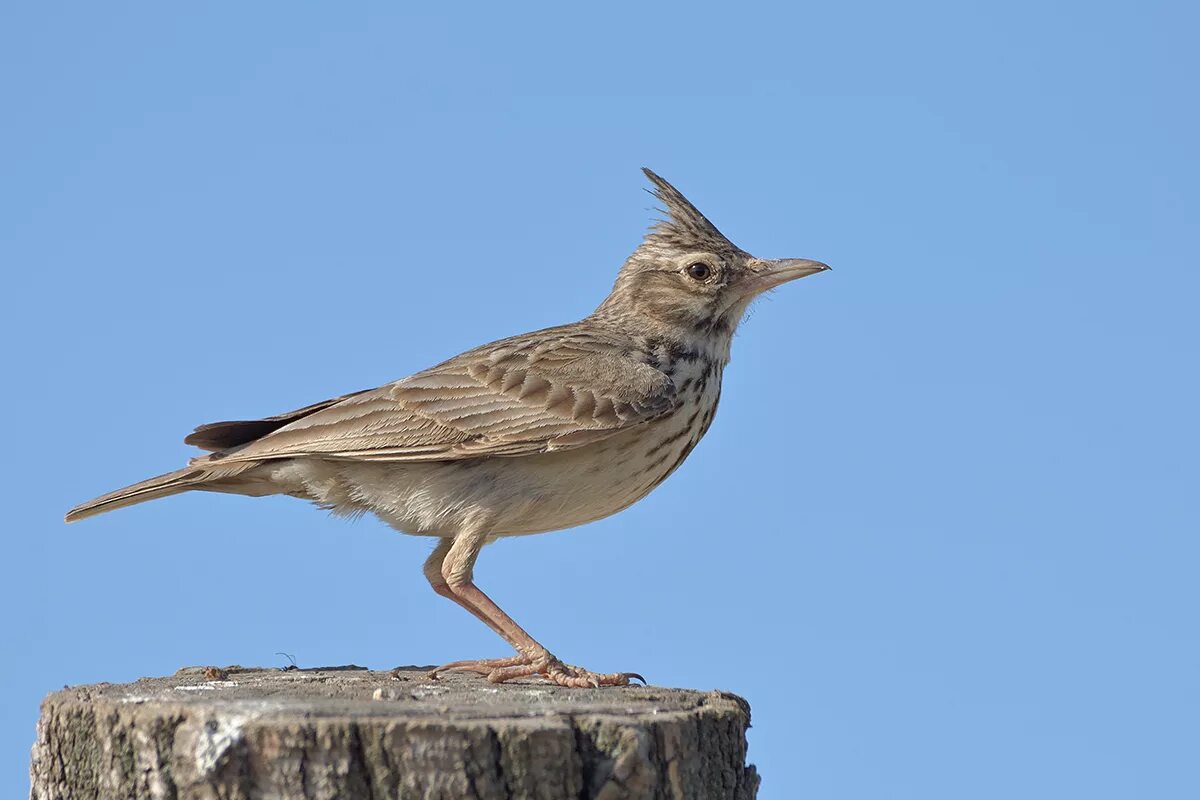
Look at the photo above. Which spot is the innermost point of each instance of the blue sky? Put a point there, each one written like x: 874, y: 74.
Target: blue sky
x: 943, y: 534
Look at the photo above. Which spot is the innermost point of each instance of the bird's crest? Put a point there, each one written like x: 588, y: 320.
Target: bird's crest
x: 685, y: 228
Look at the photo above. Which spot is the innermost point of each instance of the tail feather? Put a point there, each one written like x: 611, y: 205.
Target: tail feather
x: 181, y: 480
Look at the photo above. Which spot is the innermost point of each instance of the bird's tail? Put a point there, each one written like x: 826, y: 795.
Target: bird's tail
x: 181, y: 480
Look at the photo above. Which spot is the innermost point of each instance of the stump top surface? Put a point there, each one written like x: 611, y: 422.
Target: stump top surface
x: 405, y: 692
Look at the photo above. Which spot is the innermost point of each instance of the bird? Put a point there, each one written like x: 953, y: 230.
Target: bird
x: 533, y: 433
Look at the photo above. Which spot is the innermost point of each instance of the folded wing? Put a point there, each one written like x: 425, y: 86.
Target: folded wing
x: 529, y: 394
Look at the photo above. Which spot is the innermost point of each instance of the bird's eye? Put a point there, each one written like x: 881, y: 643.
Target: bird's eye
x: 699, y: 271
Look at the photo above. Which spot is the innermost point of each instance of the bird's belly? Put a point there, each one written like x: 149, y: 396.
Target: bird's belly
x: 510, y: 496
x: 589, y: 483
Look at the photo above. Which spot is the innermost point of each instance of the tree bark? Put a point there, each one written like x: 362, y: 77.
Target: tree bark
x: 245, y: 734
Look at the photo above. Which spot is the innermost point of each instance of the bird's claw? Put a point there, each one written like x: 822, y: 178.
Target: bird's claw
x: 501, y: 670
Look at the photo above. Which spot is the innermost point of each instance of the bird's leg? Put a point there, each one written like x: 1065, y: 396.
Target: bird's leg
x: 433, y: 573
x: 449, y: 570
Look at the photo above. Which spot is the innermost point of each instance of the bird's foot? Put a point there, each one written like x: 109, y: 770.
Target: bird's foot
x: 500, y: 670
x: 482, y: 666
x: 556, y: 671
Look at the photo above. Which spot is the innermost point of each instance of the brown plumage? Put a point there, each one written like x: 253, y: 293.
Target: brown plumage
x: 527, y: 434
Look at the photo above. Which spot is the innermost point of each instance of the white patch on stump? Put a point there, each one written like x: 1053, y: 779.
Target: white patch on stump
x: 216, y: 737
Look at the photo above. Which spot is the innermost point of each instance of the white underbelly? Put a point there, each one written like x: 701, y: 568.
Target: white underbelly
x: 509, y: 496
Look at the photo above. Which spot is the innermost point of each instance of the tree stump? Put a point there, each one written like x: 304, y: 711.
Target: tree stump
x: 347, y: 732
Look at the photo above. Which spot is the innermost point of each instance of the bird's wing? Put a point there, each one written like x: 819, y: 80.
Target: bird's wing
x: 231, y: 433
x: 529, y: 394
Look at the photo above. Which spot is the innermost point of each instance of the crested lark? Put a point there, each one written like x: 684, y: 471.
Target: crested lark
x: 529, y: 434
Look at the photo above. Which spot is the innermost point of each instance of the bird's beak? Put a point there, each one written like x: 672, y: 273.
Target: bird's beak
x: 767, y: 274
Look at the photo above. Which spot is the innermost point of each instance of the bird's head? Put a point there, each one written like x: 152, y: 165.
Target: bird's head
x: 688, y: 279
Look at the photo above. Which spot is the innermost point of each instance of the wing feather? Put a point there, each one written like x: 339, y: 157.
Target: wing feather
x: 550, y: 390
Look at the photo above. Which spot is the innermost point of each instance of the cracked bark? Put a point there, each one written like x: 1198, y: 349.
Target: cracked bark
x: 245, y: 734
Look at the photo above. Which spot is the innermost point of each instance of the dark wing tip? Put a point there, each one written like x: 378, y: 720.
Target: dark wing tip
x: 223, y: 435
